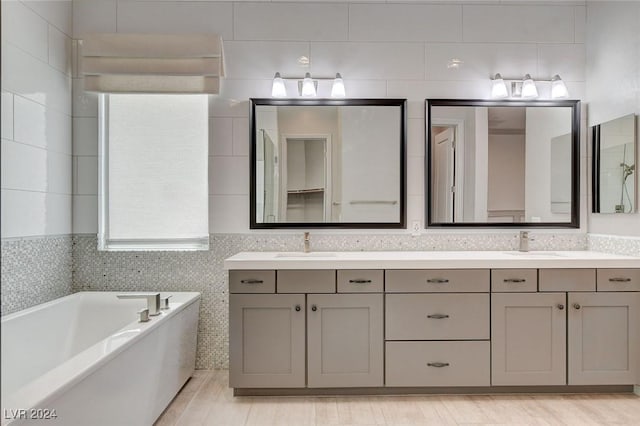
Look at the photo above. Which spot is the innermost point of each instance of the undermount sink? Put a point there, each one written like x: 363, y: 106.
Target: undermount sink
x: 534, y: 253
x: 312, y: 254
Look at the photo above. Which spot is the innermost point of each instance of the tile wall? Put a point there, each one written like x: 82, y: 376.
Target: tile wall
x: 36, y: 152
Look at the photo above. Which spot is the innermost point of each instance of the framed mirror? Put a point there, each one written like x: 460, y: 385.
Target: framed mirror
x: 502, y: 163
x: 614, y: 166
x: 338, y: 163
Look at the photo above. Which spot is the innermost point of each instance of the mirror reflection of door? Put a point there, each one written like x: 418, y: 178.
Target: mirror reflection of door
x: 306, y: 172
x: 444, y: 173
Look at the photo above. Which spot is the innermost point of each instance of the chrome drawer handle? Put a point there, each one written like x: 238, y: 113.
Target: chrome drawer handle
x: 360, y: 281
x: 251, y: 281
x: 438, y: 364
x: 619, y: 280
x: 437, y: 280
x: 576, y: 306
x: 314, y: 308
x: 438, y: 316
x: 514, y: 280
x: 298, y: 308
x: 560, y: 306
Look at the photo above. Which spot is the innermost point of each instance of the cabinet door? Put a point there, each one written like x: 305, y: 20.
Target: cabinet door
x: 345, y: 340
x: 266, y: 340
x: 604, y: 330
x: 528, y: 332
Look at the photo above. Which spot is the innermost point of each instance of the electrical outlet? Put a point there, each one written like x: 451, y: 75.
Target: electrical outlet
x: 416, y: 228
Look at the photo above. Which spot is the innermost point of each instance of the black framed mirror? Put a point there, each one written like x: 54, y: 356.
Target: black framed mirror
x: 614, y: 166
x: 507, y: 163
x: 328, y: 163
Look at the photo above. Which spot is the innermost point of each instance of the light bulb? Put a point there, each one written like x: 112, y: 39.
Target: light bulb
x: 529, y: 89
x: 337, y: 90
x: 277, y: 87
x: 558, y: 88
x: 308, y: 88
x: 498, y: 87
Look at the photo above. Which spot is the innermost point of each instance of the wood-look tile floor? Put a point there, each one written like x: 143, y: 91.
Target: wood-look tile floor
x: 207, y: 400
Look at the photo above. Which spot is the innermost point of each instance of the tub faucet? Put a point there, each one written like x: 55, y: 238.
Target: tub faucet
x: 153, y: 300
x: 524, y: 241
x: 307, y: 242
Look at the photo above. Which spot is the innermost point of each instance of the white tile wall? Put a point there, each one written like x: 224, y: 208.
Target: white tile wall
x: 85, y: 214
x: 36, y: 118
x: 383, y: 49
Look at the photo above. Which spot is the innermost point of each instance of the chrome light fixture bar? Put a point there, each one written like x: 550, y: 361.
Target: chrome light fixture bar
x: 526, y: 88
x: 307, y: 86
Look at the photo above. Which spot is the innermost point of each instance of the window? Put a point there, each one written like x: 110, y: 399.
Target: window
x: 153, y: 172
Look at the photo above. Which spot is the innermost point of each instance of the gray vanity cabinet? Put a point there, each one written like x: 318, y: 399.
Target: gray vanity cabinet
x: 528, y: 332
x: 345, y: 340
x: 266, y: 340
x: 604, y: 338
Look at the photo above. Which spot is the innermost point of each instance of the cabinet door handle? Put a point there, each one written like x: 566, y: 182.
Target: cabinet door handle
x: 438, y: 364
x: 251, y: 281
x: 360, y: 281
x: 560, y: 306
x: 298, y: 308
x: 438, y: 316
x: 576, y: 306
x: 619, y: 280
x: 514, y: 280
x: 314, y: 308
x: 437, y: 280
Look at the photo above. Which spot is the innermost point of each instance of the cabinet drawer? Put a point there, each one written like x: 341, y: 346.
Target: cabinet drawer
x: 514, y: 280
x: 437, y: 281
x: 567, y: 279
x: 618, y: 279
x: 307, y: 281
x: 252, y: 281
x: 437, y: 316
x: 437, y: 364
x: 360, y: 281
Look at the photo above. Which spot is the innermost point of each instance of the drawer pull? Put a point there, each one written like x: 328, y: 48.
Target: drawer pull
x: 438, y: 316
x: 251, y: 281
x: 437, y: 280
x: 314, y: 308
x: 576, y: 306
x: 620, y: 280
x: 514, y: 280
x: 560, y: 306
x: 360, y: 281
x: 438, y: 364
x: 298, y: 308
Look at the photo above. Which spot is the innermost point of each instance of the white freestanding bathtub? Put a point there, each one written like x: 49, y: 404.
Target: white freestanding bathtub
x: 85, y: 360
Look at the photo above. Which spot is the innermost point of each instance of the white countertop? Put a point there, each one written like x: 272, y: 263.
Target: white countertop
x: 429, y: 260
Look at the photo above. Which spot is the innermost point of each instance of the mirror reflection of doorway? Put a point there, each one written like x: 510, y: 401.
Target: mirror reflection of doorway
x: 306, y: 177
x: 444, y: 173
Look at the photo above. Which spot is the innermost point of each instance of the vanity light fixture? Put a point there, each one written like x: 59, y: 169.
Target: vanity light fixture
x: 529, y: 89
x: 526, y: 87
x: 307, y: 86
x: 499, y: 88
x: 277, y: 87
x: 558, y: 88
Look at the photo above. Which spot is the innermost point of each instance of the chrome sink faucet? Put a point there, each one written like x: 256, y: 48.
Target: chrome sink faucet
x: 524, y: 241
x: 307, y: 242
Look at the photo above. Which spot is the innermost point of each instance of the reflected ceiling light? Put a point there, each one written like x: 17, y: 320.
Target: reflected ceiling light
x: 337, y: 90
x: 308, y: 86
x: 558, y: 88
x: 529, y: 89
x: 277, y: 87
x: 499, y: 88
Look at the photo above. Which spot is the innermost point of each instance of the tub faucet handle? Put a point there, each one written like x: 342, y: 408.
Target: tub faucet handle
x: 143, y: 315
x: 153, y: 300
x: 164, y: 302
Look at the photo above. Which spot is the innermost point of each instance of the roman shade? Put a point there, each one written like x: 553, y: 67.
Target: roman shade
x: 152, y: 63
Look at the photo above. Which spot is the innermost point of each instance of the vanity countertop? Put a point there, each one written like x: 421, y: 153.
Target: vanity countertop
x: 428, y: 260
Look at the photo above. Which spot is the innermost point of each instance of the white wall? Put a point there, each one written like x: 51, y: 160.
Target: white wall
x: 613, y: 78
x: 36, y: 118
x: 382, y: 50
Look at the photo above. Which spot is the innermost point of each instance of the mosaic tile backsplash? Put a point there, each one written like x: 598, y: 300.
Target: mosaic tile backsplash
x: 614, y: 244
x: 34, y: 271
x: 203, y: 271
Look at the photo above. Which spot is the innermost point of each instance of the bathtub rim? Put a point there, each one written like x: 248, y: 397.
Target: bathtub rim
x: 60, y: 379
